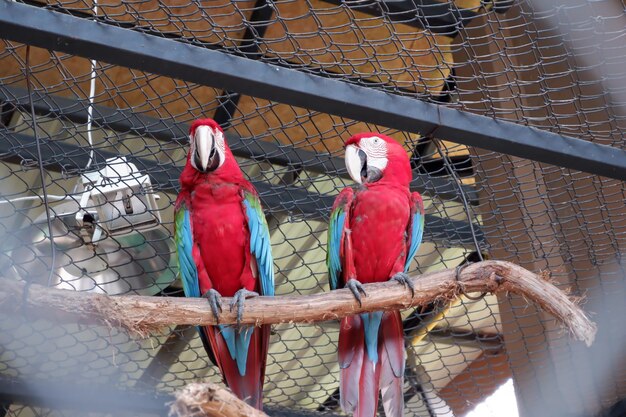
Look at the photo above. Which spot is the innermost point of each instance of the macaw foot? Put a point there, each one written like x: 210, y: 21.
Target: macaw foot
x: 404, y: 279
x: 356, y: 288
x: 238, y: 300
x: 215, y: 301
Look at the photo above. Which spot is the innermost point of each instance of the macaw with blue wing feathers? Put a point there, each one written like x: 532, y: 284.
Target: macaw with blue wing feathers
x: 373, y: 235
x: 223, y: 247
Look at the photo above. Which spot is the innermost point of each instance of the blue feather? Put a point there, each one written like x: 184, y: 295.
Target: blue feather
x: 228, y: 333
x: 260, y: 244
x: 264, y: 248
x: 252, y: 224
x: 417, y: 231
x: 184, y: 246
x: 371, y: 324
x: 258, y: 250
x: 336, y: 227
x: 243, y: 343
x: 238, y: 342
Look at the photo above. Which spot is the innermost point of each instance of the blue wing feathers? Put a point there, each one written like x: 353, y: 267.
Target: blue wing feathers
x: 260, y: 244
x: 416, y: 233
x: 238, y: 342
x: 336, y: 227
x: 184, y: 246
x: 253, y: 225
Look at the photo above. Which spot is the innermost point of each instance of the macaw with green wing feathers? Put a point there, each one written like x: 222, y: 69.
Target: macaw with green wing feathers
x: 223, y: 247
x: 373, y: 235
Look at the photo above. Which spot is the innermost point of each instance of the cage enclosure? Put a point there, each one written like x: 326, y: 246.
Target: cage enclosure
x: 512, y: 113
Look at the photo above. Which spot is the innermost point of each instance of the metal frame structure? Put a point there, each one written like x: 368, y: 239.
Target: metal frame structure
x: 68, y: 158
x: 204, y: 65
x: 168, y: 130
x: 133, y: 49
x: 440, y: 18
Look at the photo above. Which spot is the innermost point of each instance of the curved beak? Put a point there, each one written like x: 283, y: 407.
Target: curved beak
x: 356, y: 163
x: 205, y: 155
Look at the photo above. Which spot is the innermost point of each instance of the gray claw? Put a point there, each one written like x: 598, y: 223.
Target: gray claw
x: 215, y: 301
x: 239, y: 299
x: 404, y: 279
x: 356, y: 288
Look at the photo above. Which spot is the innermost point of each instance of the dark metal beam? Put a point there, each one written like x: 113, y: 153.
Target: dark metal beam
x: 69, y: 158
x: 166, y: 130
x: 441, y: 17
x: 6, y: 112
x: 450, y: 336
x: 62, y: 395
x: 81, y: 37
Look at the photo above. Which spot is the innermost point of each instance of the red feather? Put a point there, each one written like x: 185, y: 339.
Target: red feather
x: 375, y: 249
x: 368, y: 388
x: 393, y: 340
x: 392, y: 364
x: 391, y: 390
x: 351, y: 332
x: 222, y: 255
x: 351, y: 351
x: 360, y: 378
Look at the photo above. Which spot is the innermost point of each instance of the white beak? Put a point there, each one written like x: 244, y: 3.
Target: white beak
x: 204, y: 145
x: 354, y: 164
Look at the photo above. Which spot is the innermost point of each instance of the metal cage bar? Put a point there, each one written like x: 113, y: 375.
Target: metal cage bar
x: 96, y: 40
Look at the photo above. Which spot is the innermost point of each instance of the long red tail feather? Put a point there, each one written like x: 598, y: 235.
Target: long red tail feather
x: 392, y: 364
x: 361, y: 379
x: 249, y: 387
x: 350, y: 352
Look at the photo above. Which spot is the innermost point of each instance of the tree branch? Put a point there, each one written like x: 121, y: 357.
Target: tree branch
x: 210, y: 400
x: 142, y: 315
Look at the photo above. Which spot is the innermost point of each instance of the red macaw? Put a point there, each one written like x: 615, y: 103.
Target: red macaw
x: 373, y: 235
x: 223, y: 246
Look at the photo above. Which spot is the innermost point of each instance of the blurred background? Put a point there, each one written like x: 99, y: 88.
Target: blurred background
x: 113, y: 140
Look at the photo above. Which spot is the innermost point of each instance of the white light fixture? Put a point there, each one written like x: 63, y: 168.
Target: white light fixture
x: 117, y: 200
x: 109, y: 240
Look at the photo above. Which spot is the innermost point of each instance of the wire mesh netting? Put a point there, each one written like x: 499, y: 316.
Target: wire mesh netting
x: 554, y: 66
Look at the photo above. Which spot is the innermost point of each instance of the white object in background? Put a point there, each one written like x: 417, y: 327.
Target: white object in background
x: 108, y: 235
x: 117, y: 200
x: 501, y: 403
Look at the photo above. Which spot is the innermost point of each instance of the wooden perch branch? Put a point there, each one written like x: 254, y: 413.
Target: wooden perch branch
x: 143, y: 315
x: 211, y: 400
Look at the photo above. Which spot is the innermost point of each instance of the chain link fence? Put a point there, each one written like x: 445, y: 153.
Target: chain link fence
x: 557, y: 67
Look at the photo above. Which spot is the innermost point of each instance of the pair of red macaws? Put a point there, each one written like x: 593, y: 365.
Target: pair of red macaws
x: 224, y: 249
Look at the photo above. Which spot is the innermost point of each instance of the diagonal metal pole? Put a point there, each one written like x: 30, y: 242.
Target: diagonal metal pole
x: 97, y: 40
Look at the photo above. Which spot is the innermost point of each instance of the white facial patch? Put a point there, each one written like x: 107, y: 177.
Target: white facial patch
x: 220, y: 146
x: 376, y: 150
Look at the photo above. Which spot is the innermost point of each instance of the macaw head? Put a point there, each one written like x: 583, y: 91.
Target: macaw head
x: 207, y: 152
x: 372, y: 158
